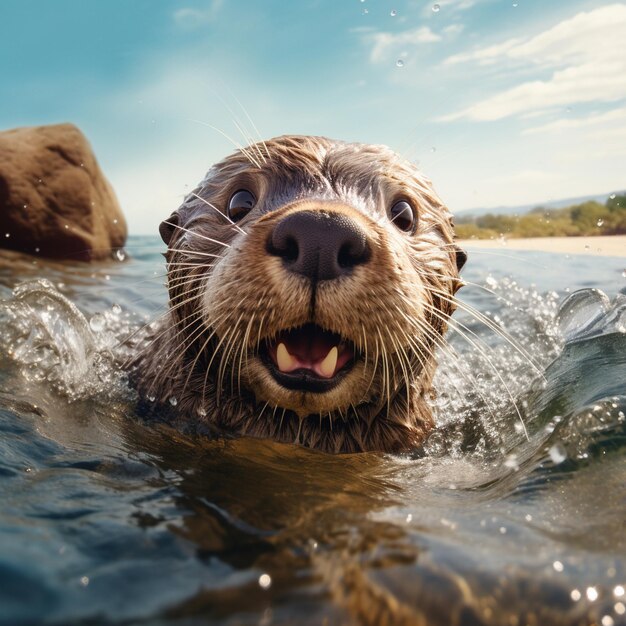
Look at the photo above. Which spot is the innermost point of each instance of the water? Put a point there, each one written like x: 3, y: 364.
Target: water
x: 508, y: 516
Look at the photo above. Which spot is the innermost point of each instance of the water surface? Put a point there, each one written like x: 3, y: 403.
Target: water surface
x: 514, y: 513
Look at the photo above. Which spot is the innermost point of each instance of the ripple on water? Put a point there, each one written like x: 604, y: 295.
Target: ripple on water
x: 105, y: 518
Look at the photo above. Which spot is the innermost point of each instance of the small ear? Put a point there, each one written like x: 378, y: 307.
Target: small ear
x: 168, y: 226
x: 461, y: 257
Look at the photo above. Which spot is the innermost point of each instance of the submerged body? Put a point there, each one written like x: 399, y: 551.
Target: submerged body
x: 310, y: 282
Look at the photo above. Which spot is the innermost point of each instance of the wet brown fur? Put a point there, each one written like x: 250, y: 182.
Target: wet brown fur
x: 200, y: 365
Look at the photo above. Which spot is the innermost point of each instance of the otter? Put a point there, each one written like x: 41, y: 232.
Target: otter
x: 310, y: 281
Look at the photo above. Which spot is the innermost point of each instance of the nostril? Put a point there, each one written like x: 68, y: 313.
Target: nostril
x: 351, y: 254
x: 290, y: 249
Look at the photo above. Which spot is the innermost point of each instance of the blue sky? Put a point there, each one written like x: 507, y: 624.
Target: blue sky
x: 500, y: 102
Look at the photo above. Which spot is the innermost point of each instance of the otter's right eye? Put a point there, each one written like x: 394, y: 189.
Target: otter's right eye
x: 240, y: 204
x: 401, y: 214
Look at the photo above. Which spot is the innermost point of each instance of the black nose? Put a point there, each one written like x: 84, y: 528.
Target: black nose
x: 319, y: 245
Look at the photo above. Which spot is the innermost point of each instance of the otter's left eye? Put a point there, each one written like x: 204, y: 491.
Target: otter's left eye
x: 402, y: 215
x: 241, y: 203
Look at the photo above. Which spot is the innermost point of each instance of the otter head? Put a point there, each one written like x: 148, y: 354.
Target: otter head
x: 310, y: 282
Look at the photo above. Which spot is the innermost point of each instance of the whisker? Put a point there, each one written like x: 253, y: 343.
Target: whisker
x: 196, y: 234
x: 440, y: 342
x: 243, y: 150
x: 212, y: 206
x: 481, y: 317
x: 467, y: 242
x: 250, y: 120
x: 195, y: 253
x: 453, y: 324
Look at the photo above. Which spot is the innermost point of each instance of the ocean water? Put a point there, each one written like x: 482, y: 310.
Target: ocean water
x: 513, y: 514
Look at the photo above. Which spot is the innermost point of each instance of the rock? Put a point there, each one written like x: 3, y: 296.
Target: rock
x: 54, y: 199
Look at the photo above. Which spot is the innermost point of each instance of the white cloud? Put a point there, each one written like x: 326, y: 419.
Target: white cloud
x: 189, y: 17
x: 383, y: 44
x: 449, y: 6
x: 484, y: 56
x: 459, y: 5
x: 586, y: 55
x: 591, y: 122
x: 453, y: 29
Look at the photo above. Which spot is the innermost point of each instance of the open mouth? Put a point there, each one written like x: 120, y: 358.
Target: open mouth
x: 308, y: 358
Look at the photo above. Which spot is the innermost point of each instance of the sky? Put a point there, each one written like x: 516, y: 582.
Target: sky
x: 500, y: 102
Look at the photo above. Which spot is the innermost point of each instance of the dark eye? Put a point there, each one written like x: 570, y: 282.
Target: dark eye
x: 241, y: 203
x: 402, y: 216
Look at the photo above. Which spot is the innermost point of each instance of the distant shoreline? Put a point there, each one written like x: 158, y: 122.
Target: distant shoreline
x: 614, y: 245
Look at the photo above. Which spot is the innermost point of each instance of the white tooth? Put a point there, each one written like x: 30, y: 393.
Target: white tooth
x: 283, y: 358
x: 328, y: 365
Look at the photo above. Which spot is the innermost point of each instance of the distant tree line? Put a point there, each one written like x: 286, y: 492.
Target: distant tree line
x: 589, y: 218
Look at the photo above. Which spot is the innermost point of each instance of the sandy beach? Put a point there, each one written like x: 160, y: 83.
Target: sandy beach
x: 593, y: 246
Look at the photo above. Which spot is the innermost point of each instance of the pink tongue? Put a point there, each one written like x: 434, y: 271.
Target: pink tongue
x: 308, y: 348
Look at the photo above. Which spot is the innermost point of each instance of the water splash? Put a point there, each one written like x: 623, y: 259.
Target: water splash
x: 47, y: 336
x: 589, y: 312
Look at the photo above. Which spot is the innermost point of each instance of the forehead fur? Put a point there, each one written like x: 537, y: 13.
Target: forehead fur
x: 298, y: 163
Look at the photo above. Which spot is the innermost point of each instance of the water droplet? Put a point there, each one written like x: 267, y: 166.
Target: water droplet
x: 173, y: 401
x: 120, y: 254
x: 557, y: 453
x: 37, y: 249
x: 620, y: 608
x: 393, y: 13
x: 115, y: 221
x: 25, y: 206
x: 96, y: 323
x: 433, y: 149
x: 515, y: 5
x: 436, y: 8
x: 107, y: 277
x: 558, y: 566
x: 84, y: 581
x: 607, y: 620
x: 511, y: 462
x: 592, y: 594
x: 365, y: 12
x: 201, y: 412
x: 503, y: 530
x: 399, y: 63
x: 151, y: 398
x: 66, y: 227
x: 409, y: 518
x: 618, y: 591
x: 528, y: 517
x: 599, y: 223
x: 116, y: 309
x: 7, y: 235
x: 575, y: 595
x: 265, y: 581
x: 612, y: 196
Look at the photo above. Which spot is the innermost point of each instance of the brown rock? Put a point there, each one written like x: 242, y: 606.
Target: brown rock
x: 54, y: 199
